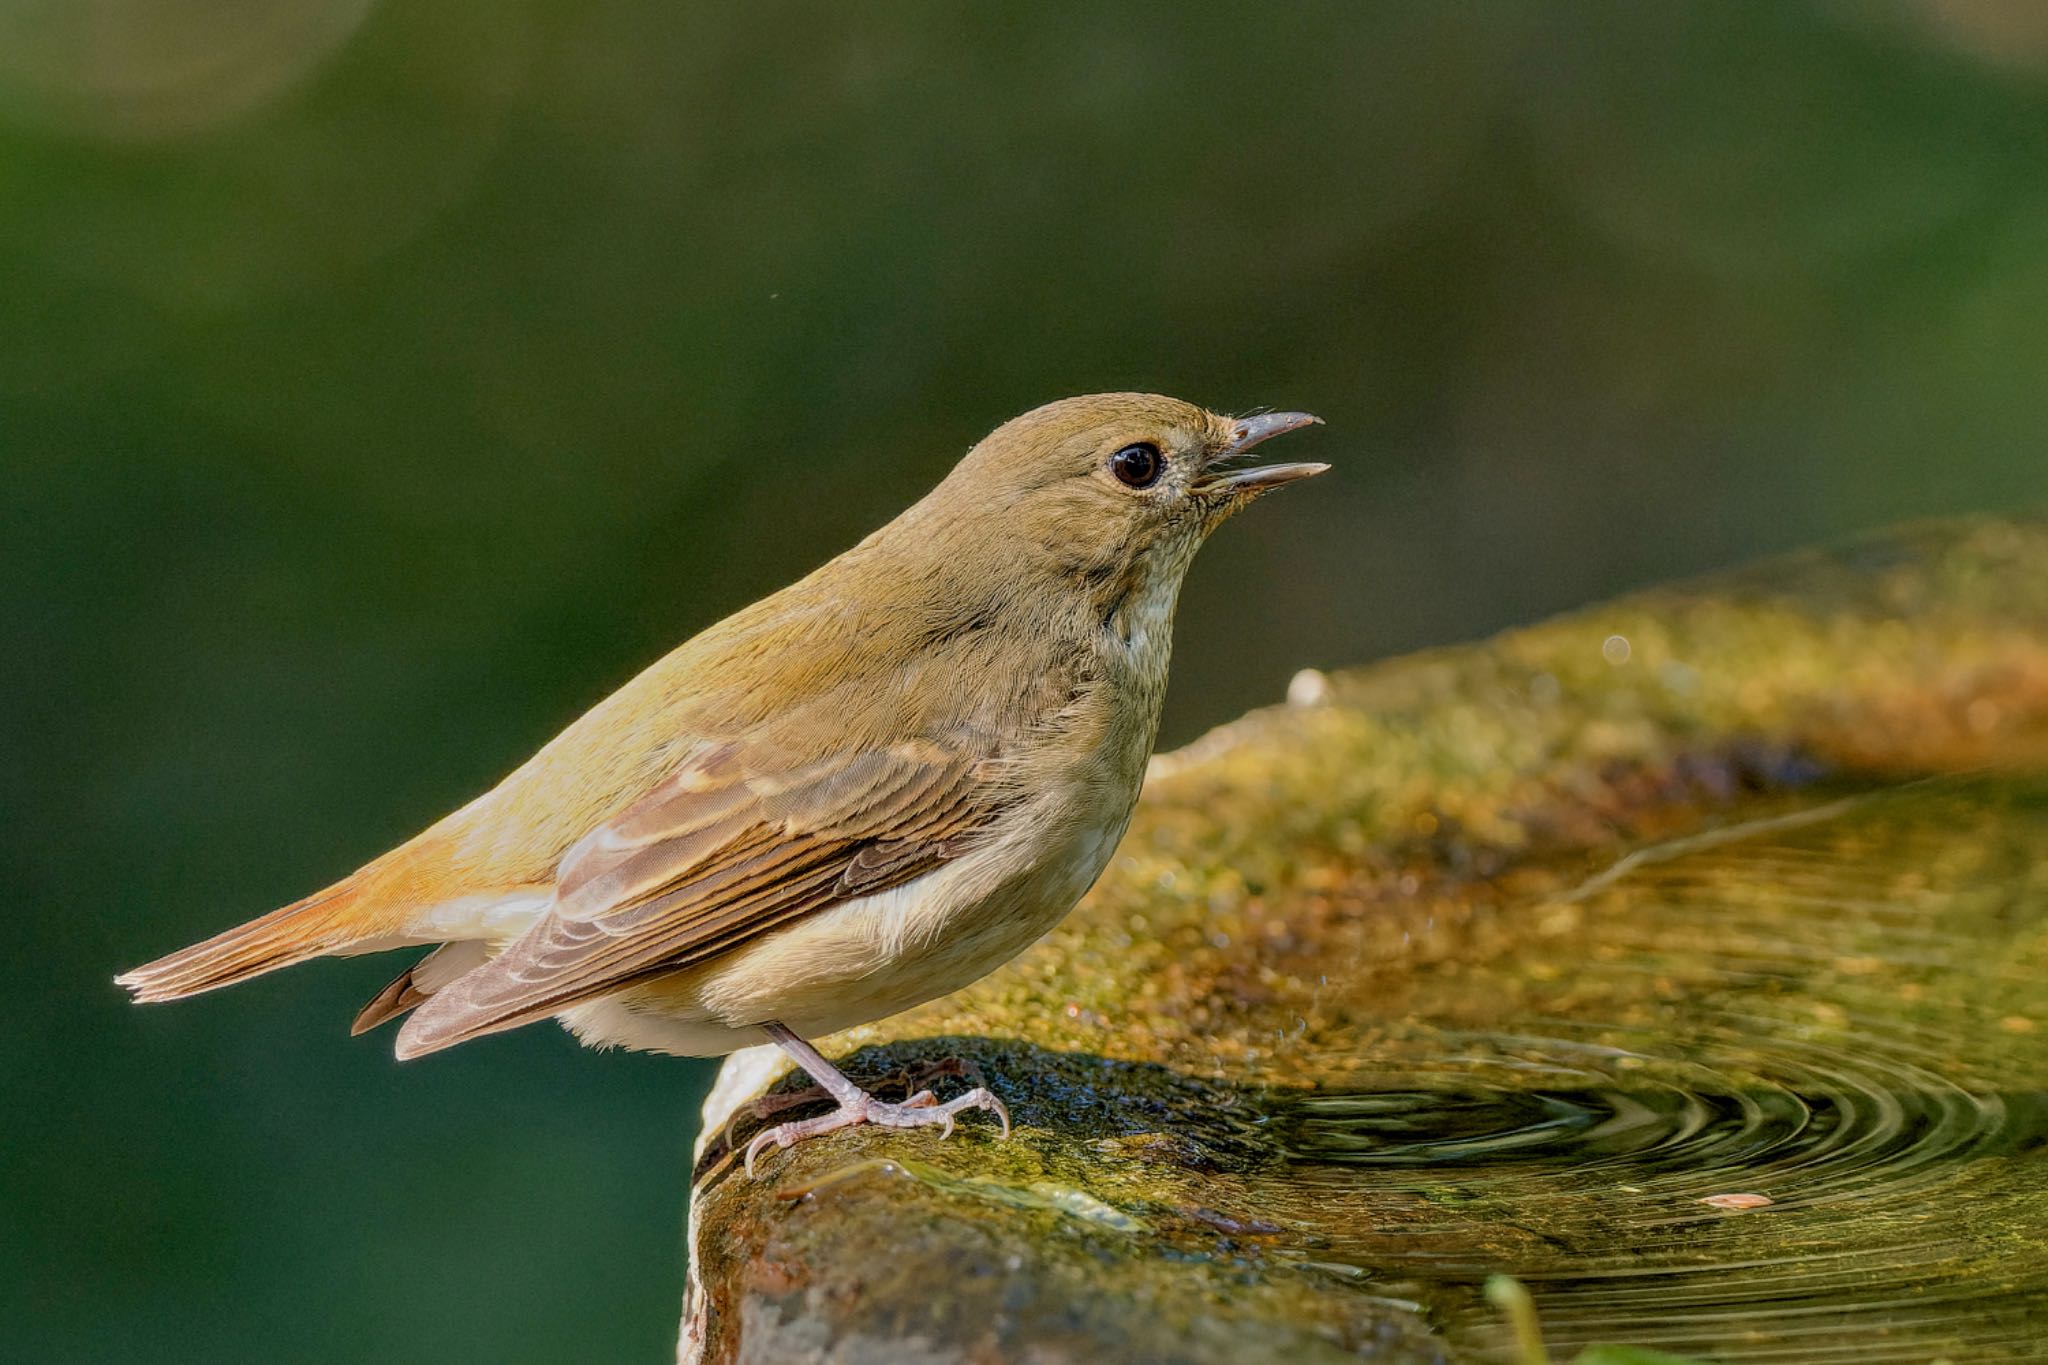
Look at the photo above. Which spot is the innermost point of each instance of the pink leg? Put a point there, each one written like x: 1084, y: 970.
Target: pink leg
x: 914, y: 1080
x: 856, y: 1106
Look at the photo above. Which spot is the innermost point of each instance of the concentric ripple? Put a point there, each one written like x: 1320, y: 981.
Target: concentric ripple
x: 1771, y: 1096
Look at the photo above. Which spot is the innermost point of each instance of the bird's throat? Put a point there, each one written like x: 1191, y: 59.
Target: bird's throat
x: 1137, y: 631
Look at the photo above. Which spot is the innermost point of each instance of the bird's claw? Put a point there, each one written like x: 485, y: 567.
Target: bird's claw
x: 920, y: 1110
x: 763, y: 1107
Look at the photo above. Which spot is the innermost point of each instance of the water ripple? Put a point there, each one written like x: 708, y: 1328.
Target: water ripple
x: 1839, y: 1012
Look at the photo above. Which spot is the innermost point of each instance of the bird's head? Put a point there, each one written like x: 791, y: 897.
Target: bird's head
x: 1113, y: 488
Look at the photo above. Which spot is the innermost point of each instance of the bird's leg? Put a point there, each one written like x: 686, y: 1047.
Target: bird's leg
x: 914, y: 1080
x: 857, y: 1106
x: 909, y: 1079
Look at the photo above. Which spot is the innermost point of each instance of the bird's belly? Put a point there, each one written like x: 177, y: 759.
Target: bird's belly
x: 863, y: 960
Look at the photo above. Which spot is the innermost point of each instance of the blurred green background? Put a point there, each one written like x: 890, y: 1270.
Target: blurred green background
x: 381, y: 384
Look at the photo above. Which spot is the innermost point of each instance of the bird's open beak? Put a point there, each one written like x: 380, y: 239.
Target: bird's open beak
x: 1260, y: 478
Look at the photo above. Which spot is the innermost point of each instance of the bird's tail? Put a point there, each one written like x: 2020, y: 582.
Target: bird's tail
x: 310, y: 928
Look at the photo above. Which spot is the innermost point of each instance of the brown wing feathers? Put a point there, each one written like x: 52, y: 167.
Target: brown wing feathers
x: 395, y: 999
x: 718, y: 856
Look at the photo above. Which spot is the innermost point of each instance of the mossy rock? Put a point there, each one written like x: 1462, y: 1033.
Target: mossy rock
x: 1685, y: 958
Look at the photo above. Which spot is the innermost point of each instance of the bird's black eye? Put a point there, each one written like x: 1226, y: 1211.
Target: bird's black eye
x: 1137, y: 466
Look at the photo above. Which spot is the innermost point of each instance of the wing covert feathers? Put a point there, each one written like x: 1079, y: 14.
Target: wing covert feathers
x: 721, y: 853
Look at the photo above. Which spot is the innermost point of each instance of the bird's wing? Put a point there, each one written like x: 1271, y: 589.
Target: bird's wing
x: 732, y: 846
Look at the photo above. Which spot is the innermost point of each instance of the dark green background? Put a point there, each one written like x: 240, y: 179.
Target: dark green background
x: 380, y: 384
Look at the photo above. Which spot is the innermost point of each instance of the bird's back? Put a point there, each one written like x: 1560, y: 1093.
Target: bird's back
x: 807, y: 672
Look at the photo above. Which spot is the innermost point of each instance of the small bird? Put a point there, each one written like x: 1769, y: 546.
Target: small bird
x: 856, y: 795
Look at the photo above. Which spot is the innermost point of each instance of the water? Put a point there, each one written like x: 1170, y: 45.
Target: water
x: 1827, y: 1018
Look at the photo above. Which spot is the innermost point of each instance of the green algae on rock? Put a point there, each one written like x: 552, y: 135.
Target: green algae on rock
x: 1513, y: 958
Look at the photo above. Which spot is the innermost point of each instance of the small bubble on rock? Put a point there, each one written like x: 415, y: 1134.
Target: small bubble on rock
x: 1310, y: 687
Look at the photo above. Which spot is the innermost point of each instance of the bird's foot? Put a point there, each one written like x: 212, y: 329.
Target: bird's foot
x: 918, y: 1111
x: 905, y: 1080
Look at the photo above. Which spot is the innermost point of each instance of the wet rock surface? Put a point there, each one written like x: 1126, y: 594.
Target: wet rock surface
x: 1686, y: 958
